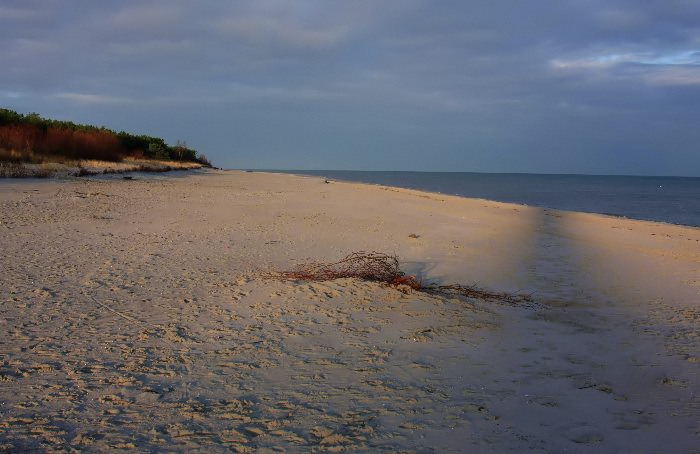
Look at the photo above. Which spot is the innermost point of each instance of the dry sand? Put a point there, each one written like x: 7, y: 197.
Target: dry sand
x: 134, y: 316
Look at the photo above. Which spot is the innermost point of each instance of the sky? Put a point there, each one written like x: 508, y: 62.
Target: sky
x: 540, y: 86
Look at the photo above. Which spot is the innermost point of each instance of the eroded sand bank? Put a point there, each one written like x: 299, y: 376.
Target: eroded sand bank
x: 134, y: 316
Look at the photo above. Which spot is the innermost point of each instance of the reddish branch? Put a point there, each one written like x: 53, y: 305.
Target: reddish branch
x: 368, y: 266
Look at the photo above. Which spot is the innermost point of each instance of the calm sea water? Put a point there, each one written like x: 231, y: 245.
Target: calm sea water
x: 675, y: 200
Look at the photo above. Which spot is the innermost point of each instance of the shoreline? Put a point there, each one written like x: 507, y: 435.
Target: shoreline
x: 390, y: 187
x: 293, y: 172
x: 137, y: 317
x: 437, y: 193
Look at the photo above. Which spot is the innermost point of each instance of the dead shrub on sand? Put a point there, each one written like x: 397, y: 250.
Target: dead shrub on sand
x: 384, y: 268
x: 367, y: 266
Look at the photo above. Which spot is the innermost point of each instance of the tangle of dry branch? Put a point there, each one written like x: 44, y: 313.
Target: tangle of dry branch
x: 367, y: 266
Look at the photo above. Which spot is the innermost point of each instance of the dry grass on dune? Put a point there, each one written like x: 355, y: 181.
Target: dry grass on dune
x: 44, y: 169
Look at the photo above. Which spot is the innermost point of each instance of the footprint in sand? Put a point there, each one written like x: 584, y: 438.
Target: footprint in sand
x: 583, y: 435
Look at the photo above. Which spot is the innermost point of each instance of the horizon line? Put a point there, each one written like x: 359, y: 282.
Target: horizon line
x: 470, y: 171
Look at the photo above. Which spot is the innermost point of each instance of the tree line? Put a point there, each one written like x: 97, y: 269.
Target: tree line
x: 30, y: 137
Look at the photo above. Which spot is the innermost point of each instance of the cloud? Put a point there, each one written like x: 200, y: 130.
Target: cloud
x: 655, y: 68
x: 675, y: 76
x: 601, y: 61
x: 87, y: 98
x: 484, y: 85
x: 685, y: 58
x: 272, y: 33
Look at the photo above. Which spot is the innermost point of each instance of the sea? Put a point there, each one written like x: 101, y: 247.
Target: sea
x: 673, y: 200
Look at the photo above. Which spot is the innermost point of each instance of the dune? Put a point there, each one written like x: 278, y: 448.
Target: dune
x: 145, y: 315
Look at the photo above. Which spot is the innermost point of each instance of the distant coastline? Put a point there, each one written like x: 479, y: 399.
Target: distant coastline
x: 33, y: 146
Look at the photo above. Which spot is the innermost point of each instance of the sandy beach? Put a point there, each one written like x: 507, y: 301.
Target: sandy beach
x: 144, y: 315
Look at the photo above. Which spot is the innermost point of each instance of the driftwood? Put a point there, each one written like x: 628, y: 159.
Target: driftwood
x: 378, y: 267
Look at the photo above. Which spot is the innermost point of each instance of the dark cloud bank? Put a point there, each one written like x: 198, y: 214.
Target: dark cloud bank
x: 567, y: 86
